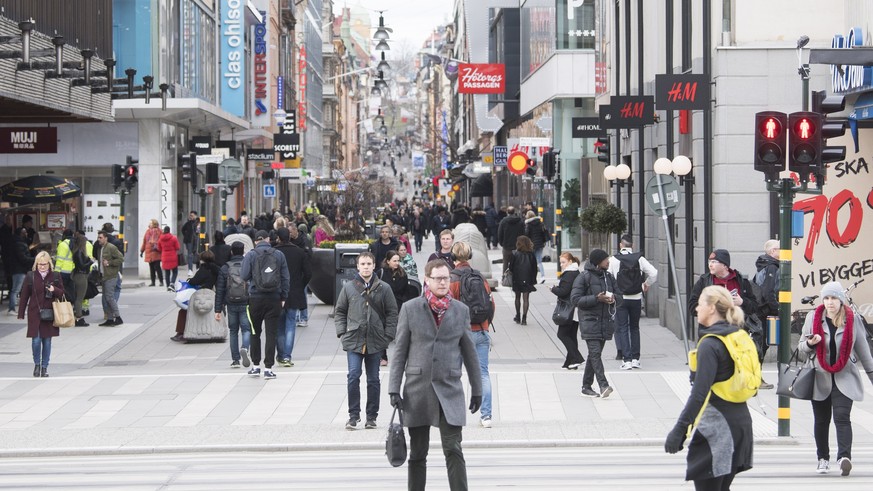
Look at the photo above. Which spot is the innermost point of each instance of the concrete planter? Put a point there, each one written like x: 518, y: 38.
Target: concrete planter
x: 323, y: 275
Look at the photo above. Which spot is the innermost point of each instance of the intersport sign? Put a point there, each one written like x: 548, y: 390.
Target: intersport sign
x: 481, y: 78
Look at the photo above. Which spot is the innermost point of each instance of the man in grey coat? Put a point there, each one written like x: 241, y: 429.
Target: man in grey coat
x: 431, y: 342
x: 366, y: 321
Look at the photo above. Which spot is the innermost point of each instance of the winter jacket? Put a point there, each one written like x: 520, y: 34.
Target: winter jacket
x: 247, y: 272
x: 770, y: 288
x: 430, y: 358
x: 596, y: 319
x: 491, y: 218
x: 408, y: 264
x: 149, y: 247
x: 565, y: 285
x: 206, y: 276
x: 524, y: 272
x: 169, y: 247
x: 110, y: 253
x: 536, y: 232
x: 222, y: 253
x: 299, y: 274
x: 380, y: 250
x: 460, y: 216
x: 33, y: 292
x: 20, y: 261
x: 398, y: 283
x: 750, y: 304
x: 509, y: 230
x: 480, y: 222
x: 848, y: 379
x: 221, y: 283
x: 357, y: 316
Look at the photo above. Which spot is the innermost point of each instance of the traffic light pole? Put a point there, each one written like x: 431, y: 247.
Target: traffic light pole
x: 121, y: 194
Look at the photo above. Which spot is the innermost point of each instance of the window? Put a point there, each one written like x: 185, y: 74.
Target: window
x: 575, y: 25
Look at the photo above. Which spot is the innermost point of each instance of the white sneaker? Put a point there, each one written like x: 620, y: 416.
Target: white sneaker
x: 845, y: 466
x: 635, y: 363
x: 485, y: 422
x: 626, y: 366
x: 823, y: 466
x: 302, y: 323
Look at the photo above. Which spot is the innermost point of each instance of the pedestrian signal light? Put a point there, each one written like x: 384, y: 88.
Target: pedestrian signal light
x: 770, y: 128
x: 131, y: 173
x: 531, y: 167
x: 602, y: 147
x: 804, y: 143
x: 830, y: 128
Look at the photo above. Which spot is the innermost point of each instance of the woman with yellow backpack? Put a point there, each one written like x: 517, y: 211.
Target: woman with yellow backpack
x: 721, y: 446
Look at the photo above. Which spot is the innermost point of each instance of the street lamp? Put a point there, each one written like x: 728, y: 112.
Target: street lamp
x: 618, y: 175
x: 680, y: 165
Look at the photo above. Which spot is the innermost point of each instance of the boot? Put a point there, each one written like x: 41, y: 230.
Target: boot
x: 36, y: 370
x: 43, y: 372
x: 517, y: 318
x: 524, y: 320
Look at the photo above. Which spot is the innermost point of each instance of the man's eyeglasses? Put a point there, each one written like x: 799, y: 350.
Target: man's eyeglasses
x: 440, y: 279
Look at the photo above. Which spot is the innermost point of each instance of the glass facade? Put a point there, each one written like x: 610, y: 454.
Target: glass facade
x: 132, y: 36
x: 197, y: 51
x: 537, y: 34
x: 576, y: 25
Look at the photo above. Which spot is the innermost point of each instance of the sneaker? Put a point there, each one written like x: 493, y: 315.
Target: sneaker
x: 370, y: 424
x: 268, y: 374
x: 485, y: 422
x: 845, y: 466
x: 605, y: 392
x: 352, y: 423
x: 235, y: 364
x: 244, y: 353
x: 626, y: 366
x: 824, y: 466
x: 110, y: 323
x: 588, y: 392
x: 117, y: 321
x: 86, y: 312
x: 635, y: 363
x: 255, y: 372
x: 81, y: 322
x: 287, y: 363
x: 302, y: 324
x: 765, y: 385
x: 177, y: 338
x: 574, y: 366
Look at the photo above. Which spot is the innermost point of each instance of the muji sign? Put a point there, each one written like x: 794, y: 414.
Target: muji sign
x: 482, y: 78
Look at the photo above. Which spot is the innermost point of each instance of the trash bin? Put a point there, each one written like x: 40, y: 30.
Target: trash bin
x: 346, y: 260
x: 370, y: 229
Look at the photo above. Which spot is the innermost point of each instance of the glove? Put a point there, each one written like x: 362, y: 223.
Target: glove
x: 396, y: 401
x: 675, y: 439
x: 475, y: 403
x: 140, y: 253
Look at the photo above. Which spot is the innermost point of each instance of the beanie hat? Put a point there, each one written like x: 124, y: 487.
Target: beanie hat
x: 596, y: 256
x: 834, y: 289
x: 722, y: 256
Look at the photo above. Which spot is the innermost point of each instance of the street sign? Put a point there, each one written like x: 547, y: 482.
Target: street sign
x: 418, y: 161
x: 291, y: 174
x: 671, y: 194
x: 624, y: 112
x: 230, y: 172
x: 500, y: 154
x: 269, y: 190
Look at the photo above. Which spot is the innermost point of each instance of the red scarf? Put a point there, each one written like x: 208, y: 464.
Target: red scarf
x: 437, y: 305
x: 845, y: 346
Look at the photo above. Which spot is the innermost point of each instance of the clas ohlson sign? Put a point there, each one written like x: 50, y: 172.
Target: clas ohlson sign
x: 850, y: 78
x: 233, y: 78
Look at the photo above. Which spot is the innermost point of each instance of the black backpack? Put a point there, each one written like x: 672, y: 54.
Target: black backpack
x: 474, y: 295
x: 237, y: 288
x: 265, y: 271
x: 630, y: 277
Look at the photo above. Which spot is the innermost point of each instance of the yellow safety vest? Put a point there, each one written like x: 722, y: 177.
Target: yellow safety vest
x: 64, y: 258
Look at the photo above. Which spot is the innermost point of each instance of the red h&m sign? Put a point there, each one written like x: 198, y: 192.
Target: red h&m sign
x: 482, y: 78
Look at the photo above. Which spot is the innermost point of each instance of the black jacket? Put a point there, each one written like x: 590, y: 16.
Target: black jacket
x: 21, y: 261
x: 221, y: 284
x: 380, y: 250
x: 508, y: 231
x: 300, y: 271
x: 536, y: 232
x: 206, y: 276
x: 524, y: 272
x: 565, y: 286
x: 222, y: 253
x: 750, y: 305
x: 770, y: 288
x: 399, y: 284
x: 596, y: 319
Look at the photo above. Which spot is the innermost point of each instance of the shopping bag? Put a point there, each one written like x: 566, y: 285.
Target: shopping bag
x: 183, y: 294
x: 507, y: 279
x: 796, y: 379
x: 395, y: 441
x: 63, y: 311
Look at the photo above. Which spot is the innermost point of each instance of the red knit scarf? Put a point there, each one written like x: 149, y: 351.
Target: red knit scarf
x: 439, y: 305
x: 845, y: 346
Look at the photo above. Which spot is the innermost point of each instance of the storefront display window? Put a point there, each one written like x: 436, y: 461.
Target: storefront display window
x: 197, y: 50
x: 537, y: 34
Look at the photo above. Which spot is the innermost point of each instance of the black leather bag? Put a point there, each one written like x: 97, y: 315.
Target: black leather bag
x: 395, y: 441
x: 796, y: 379
x: 46, y: 314
x: 563, y: 313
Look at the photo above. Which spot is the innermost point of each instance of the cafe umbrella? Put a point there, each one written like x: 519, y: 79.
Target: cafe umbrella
x: 39, y: 189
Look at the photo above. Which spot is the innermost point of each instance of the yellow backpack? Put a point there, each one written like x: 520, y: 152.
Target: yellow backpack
x: 744, y: 383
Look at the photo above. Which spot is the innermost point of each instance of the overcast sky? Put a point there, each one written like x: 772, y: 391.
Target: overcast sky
x: 411, y: 20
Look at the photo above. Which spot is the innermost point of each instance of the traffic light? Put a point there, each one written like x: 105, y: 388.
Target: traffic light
x: 770, y: 129
x: 804, y: 143
x: 830, y: 128
x: 188, y: 164
x: 131, y: 173
x: 531, y: 167
x: 549, y: 165
x: 602, y: 147
x: 117, y: 176
x: 212, y: 173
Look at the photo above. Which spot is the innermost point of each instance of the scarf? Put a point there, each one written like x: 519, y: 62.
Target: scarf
x: 439, y: 306
x: 845, y: 346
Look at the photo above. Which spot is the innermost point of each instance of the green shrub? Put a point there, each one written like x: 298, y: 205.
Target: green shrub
x: 331, y: 244
x: 603, y: 218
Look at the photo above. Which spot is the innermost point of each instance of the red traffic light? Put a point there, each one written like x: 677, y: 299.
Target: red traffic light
x: 804, y: 128
x: 771, y: 128
x: 131, y: 170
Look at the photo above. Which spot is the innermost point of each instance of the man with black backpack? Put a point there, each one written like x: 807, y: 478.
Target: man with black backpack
x: 266, y: 271
x: 233, y: 292
x: 634, y: 274
x: 470, y: 288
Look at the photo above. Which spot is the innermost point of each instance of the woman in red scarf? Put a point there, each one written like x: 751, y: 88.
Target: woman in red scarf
x: 834, y: 338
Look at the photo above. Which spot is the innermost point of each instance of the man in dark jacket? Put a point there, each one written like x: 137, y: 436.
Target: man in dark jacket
x: 365, y: 316
x: 767, y: 278
x: 385, y: 243
x: 441, y: 221
x: 220, y: 249
x: 492, y: 221
x: 300, y: 272
x: 237, y: 312
x: 594, y: 294
x: 720, y: 273
x: 265, y: 307
x: 19, y: 263
x: 191, y: 238
x: 507, y: 233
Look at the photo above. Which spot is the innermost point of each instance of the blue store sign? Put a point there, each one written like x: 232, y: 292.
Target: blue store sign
x: 233, y: 77
x: 850, y: 78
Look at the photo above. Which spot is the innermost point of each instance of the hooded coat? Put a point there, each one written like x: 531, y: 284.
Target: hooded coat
x: 168, y: 244
x: 536, y: 232
x: 596, y: 319
x: 509, y: 230
x: 770, y: 288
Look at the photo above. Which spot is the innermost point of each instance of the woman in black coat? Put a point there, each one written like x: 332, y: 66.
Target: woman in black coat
x: 568, y: 332
x: 524, y: 276
x: 205, y: 277
x: 536, y: 231
x: 41, y: 287
x: 394, y: 275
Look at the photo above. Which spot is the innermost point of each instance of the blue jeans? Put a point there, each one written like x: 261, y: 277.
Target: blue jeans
x: 538, y: 253
x: 371, y: 362
x: 238, y: 322
x: 482, y: 340
x: 42, y: 351
x: 15, y: 291
x: 192, y: 258
x: 627, y: 329
x: 286, y: 333
x: 303, y: 315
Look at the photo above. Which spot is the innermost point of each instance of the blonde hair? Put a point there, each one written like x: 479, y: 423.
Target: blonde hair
x: 720, y: 298
x: 462, y: 251
x: 323, y: 223
x: 530, y: 214
x: 153, y: 223
x: 43, y: 255
x: 280, y: 223
x: 771, y: 244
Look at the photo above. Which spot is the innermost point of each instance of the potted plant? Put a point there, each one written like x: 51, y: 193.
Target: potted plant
x: 323, y: 282
x: 600, y: 219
